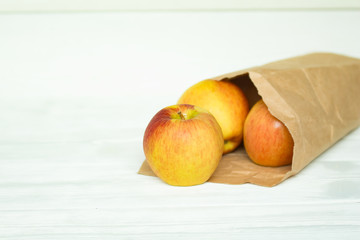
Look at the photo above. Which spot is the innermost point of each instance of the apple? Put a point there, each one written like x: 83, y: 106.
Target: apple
x: 183, y: 145
x: 267, y: 140
x: 226, y: 102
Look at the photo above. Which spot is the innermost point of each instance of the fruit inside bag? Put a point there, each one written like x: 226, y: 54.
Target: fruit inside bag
x: 313, y: 95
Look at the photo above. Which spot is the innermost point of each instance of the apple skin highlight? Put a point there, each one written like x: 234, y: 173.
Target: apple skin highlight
x: 267, y: 140
x: 183, y: 151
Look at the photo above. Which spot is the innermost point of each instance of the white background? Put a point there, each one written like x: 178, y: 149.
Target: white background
x: 79, y: 85
x: 145, y: 5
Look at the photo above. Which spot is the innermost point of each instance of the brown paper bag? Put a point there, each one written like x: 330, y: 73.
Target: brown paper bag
x: 317, y: 96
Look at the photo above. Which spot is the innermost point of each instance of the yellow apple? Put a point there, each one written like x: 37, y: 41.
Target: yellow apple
x: 267, y: 141
x: 226, y: 102
x: 183, y: 145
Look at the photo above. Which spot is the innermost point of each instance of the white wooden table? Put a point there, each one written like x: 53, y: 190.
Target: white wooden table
x: 77, y: 91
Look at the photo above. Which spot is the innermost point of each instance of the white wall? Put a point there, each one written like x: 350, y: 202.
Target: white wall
x: 114, y: 5
x: 157, y: 54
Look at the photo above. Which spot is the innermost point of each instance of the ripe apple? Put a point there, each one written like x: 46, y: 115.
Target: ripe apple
x: 226, y: 102
x: 267, y: 141
x: 183, y: 145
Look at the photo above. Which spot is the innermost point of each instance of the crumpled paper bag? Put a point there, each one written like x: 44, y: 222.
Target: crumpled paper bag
x: 317, y: 96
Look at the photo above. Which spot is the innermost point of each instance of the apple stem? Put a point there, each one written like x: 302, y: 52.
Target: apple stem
x: 181, y: 115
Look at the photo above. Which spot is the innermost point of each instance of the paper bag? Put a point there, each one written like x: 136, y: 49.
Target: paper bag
x: 317, y: 96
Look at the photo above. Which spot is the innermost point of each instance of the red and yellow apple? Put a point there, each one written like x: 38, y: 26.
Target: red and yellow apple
x: 267, y: 140
x: 183, y: 145
x: 226, y: 102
